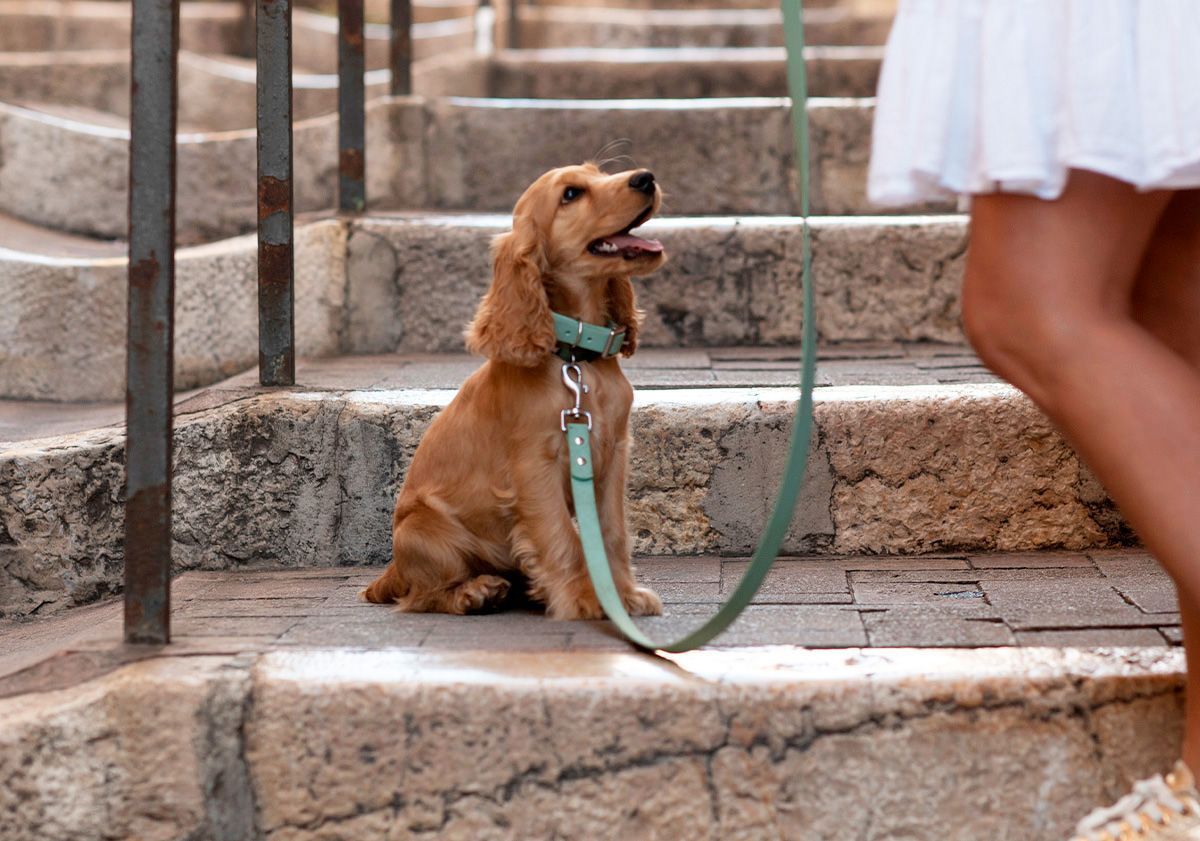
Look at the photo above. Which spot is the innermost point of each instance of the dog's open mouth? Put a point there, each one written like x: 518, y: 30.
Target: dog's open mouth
x: 624, y: 244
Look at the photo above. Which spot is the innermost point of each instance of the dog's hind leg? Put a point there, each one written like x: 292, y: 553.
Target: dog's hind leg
x: 430, y: 570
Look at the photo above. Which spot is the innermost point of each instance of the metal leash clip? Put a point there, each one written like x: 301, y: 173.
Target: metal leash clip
x: 578, y: 389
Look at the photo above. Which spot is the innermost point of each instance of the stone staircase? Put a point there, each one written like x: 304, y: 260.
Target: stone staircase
x: 941, y: 512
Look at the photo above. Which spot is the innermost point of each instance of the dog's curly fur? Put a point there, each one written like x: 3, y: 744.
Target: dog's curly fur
x: 487, y: 498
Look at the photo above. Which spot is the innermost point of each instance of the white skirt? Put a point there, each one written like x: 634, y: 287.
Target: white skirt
x: 979, y: 96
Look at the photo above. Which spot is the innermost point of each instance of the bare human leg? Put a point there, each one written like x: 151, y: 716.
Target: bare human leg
x: 1049, y: 304
x: 1166, y: 302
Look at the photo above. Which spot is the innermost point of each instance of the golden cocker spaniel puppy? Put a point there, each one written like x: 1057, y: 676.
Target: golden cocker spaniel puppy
x: 487, y: 498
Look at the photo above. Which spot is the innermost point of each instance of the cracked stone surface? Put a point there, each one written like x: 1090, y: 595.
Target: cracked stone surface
x: 340, y: 744
x: 304, y: 478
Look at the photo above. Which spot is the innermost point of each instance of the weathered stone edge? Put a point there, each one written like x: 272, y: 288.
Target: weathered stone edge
x: 297, y: 479
x: 415, y: 281
x: 434, y: 153
x: 334, y: 744
x: 64, y: 320
x: 410, y: 284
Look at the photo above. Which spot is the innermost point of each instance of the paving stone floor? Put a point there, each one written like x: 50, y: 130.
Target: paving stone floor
x: 1110, y: 598
x: 857, y: 363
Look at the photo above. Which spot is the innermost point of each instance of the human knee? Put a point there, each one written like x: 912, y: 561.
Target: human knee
x: 1018, y: 326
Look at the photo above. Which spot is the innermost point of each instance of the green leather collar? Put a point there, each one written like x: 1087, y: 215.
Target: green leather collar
x: 580, y: 341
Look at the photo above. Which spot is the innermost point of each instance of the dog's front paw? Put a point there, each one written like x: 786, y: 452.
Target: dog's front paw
x: 581, y: 606
x: 641, y: 601
x: 480, y: 593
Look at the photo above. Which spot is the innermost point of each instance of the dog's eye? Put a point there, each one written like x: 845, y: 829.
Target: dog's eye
x: 571, y: 193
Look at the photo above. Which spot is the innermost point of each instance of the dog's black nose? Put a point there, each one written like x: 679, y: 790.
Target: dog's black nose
x: 643, y: 182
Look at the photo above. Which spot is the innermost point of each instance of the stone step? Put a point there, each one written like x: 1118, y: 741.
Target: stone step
x: 286, y: 711
x: 597, y: 26
x: 65, y: 326
x: 727, y: 281
x: 860, y: 7
x: 409, y: 283
x: 1114, y: 598
x: 217, y: 91
x: 678, y: 73
x: 380, y: 11
x: 647, y: 5
x: 906, y: 437
x: 440, y: 153
x: 56, y: 26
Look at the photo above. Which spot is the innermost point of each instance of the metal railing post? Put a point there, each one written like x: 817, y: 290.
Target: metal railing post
x: 276, y: 251
x: 401, y: 48
x: 352, y: 188
x: 150, y: 357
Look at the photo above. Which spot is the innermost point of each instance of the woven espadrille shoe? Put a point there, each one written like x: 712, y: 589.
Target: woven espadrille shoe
x: 1158, y: 809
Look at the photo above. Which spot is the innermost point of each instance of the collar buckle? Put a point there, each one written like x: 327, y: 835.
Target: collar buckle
x: 612, y: 346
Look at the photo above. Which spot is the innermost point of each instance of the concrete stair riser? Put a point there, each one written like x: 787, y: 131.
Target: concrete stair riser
x: 437, y: 154
x: 310, y: 478
x: 43, y: 25
x: 414, y: 284
x: 860, y: 7
x: 314, y: 41
x: 576, y: 73
x: 331, y: 745
x: 94, y: 79
x: 209, y: 27
x: 64, y: 332
x: 712, y: 156
x: 410, y: 285
x: 379, y: 11
x: 551, y: 26
x: 218, y: 93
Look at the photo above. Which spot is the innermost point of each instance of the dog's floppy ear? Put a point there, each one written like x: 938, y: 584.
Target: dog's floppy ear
x: 513, y: 323
x: 622, y: 309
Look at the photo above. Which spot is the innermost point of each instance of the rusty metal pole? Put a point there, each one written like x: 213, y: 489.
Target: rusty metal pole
x: 401, y: 48
x: 276, y: 250
x: 352, y: 188
x: 149, y: 364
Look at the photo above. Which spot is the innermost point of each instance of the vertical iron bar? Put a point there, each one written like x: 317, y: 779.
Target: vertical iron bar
x: 149, y: 372
x: 276, y: 258
x: 401, y: 53
x: 352, y: 189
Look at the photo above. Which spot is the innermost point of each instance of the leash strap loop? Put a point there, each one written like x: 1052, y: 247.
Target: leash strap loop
x: 579, y: 436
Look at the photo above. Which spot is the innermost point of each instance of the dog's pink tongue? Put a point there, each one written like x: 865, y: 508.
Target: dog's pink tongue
x: 628, y: 242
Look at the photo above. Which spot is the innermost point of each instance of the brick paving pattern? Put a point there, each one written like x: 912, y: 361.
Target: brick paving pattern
x: 1112, y: 598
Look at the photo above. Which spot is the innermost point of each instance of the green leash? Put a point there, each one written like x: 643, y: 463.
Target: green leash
x: 577, y: 424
